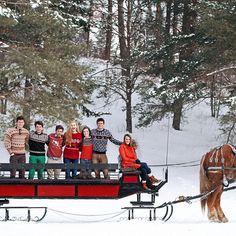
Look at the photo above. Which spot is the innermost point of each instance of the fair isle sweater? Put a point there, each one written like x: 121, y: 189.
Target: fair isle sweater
x: 15, y: 140
x: 37, y: 143
x: 100, y: 139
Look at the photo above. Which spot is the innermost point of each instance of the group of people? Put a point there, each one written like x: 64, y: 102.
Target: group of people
x: 74, y: 146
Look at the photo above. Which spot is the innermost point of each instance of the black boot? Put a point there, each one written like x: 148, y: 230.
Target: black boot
x: 150, y: 185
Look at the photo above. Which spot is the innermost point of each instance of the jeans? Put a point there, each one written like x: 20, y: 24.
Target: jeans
x: 145, y: 170
x: 74, y: 171
x: 85, y: 171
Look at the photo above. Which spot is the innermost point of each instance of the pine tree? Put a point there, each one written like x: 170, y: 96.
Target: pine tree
x: 186, y: 57
x: 41, y: 65
x: 175, y: 63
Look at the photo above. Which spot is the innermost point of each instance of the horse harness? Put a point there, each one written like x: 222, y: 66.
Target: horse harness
x: 215, y: 158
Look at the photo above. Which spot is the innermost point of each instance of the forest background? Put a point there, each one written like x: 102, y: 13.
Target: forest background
x: 160, y: 57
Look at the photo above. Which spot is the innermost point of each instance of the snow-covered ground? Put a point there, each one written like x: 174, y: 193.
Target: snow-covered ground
x: 105, y: 217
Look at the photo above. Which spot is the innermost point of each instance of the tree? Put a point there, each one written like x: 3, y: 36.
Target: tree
x: 228, y: 122
x: 107, y: 50
x: 131, y: 25
x: 176, y: 63
x: 218, y: 29
x: 188, y: 54
x: 41, y: 65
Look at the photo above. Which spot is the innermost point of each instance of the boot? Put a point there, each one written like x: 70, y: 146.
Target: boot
x: 144, y: 184
x: 154, y: 179
x: 150, y: 185
x: 90, y: 176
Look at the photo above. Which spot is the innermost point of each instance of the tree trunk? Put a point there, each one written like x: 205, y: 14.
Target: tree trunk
x: 129, y: 113
x: 121, y: 29
x: 3, y: 94
x: 175, y: 17
x: 213, y: 113
x: 107, y: 51
x: 168, y: 17
x: 4, y: 106
x: 27, y: 104
x: 125, y: 54
x: 178, y: 106
x: 87, y: 33
x: 158, y: 24
x: 189, y: 17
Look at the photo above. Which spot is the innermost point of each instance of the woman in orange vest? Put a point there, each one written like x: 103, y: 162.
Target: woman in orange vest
x: 129, y: 159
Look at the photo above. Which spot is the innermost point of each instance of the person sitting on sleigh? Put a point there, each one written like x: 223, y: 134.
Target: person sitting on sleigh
x: 129, y: 160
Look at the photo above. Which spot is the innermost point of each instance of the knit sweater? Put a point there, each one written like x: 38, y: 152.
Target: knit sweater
x: 100, y: 139
x: 72, y: 151
x: 87, y: 149
x: 55, y: 145
x: 37, y: 143
x: 15, y: 140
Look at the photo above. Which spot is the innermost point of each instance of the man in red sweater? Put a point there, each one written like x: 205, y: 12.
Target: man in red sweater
x: 54, y: 153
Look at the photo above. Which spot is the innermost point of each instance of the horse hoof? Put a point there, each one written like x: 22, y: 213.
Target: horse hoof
x: 214, y: 219
x: 224, y: 220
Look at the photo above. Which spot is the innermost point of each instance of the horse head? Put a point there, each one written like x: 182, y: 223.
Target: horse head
x: 230, y: 163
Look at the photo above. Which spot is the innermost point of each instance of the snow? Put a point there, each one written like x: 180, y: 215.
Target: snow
x: 106, y: 217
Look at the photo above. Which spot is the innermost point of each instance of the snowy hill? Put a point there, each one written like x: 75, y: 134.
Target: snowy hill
x: 199, y: 134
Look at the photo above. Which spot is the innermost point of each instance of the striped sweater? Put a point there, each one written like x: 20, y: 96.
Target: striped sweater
x: 15, y: 140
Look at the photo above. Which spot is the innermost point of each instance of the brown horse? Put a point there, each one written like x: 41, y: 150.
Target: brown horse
x: 217, y: 169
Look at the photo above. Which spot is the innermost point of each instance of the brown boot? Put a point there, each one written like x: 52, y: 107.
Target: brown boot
x: 154, y: 179
x: 145, y: 186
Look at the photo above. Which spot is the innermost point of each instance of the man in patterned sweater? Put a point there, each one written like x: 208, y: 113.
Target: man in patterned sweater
x: 37, y: 141
x: 100, y: 138
x: 15, y: 141
x: 55, y: 145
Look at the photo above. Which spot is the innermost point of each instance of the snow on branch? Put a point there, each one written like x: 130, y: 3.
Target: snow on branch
x: 221, y: 70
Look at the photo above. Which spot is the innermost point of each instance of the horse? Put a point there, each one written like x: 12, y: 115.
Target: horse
x: 217, y: 170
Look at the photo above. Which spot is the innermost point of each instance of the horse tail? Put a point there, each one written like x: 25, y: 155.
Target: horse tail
x: 203, y: 183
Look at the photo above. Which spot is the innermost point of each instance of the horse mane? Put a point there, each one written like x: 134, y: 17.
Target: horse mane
x: 233, y: 148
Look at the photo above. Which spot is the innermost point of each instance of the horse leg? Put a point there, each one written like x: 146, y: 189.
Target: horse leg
x: 219, y: 210
x: 212, y: 213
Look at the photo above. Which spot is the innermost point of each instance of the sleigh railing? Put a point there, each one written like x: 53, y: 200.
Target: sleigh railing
x: 5, y: 168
